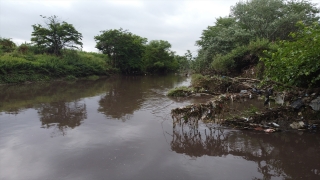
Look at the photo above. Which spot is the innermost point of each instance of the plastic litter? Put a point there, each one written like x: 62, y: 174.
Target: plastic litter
x: 269, y: 130
x: 243, y: 91
x: 256, y: 91
x: 297, y: 104
x: 297, y: 125
x: 315, y: 104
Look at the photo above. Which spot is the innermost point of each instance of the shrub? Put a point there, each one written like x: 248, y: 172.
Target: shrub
x: 6, y: 45
x: 296, y: 62
x: 240, y: 57
x: 70, y: 78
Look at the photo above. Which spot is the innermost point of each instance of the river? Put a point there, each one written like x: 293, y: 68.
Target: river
x: 120, y: 128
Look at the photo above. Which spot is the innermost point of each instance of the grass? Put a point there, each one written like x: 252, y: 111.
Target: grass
x: 182, y: 91
x: 18, y: 67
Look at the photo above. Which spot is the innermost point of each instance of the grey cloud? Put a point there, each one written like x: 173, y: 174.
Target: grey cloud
x: 170, y: 20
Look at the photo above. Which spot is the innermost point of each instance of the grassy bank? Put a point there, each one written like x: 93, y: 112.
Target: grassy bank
x: 20, y: 66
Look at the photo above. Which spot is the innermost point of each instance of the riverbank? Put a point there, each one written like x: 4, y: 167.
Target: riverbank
x: 266, y: 108
x: 18, y: 67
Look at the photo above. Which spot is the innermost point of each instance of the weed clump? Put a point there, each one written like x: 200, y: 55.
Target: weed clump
x: 182, y: 91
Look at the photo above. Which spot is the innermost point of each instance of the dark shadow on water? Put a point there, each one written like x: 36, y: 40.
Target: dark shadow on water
x: 286, y: 155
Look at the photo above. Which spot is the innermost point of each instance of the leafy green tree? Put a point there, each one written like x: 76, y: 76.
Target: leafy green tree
x: 55, y: 36
x: 158, y: 58
x: 7, y: 45
x: 249, y: 21
x: 221, y: 38
x: 185, y: 62
x: 123, y: 48
x: 273, y: 19
x: 296, y: 62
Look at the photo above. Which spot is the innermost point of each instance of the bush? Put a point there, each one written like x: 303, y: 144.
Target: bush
x: 6, y: 45
x: 92, y: 78
x: 70, y: 78
x: 296, y: 62
x: 240, y: 57
x: 20, y: 66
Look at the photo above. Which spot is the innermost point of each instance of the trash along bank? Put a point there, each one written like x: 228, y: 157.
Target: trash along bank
x: 239, y: 103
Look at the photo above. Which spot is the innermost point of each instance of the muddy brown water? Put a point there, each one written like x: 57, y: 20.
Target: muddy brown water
x: 120, y: 128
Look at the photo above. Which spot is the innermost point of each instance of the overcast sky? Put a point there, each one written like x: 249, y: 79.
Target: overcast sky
x: 180, y: 22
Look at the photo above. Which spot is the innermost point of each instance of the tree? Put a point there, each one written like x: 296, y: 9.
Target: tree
x: 123, y: 48
x: 158, y: 58
x: 296, y: 62
x: 248, y: 22
x: 55, y: 35
x: 221, y: 38
x: 7, y: 45
x: 273, y: 19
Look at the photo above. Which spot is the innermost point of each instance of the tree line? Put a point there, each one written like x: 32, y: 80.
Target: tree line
x: 279, y: 37
x: 126, y: 52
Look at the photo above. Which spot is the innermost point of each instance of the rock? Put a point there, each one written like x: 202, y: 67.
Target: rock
x: 315, y: 104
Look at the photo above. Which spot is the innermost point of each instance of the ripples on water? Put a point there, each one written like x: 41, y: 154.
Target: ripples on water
x: 121, y: 128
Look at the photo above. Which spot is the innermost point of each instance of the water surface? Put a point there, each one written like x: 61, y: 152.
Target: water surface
x: 121, y: 128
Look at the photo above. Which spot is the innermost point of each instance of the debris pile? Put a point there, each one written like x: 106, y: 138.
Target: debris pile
x: 296, y: 108
x: 192, y: 114
x: 281, y: 118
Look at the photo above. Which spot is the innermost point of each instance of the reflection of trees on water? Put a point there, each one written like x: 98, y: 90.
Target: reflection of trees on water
x: 127, y: 94
x: 62, y: 115
x: 286, y: 155
x: 194, y: 143
x: 16, y: 98
x: 122, y: 98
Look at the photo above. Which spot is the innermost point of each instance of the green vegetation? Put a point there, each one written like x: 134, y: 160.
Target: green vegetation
x: 210, y: 83
x: 132, y: 55
x: 6, y: 45
x: 123, y: 48
x: 182, y: 91
x: 92, y: 78
x: 54, y: 54
x: 296, y: 62
x: 55, y: 36
x: 18, y: 67
x: 240, y: 57
x: 251, y: 111
x: 238, y: 42
x: 158, y: 58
